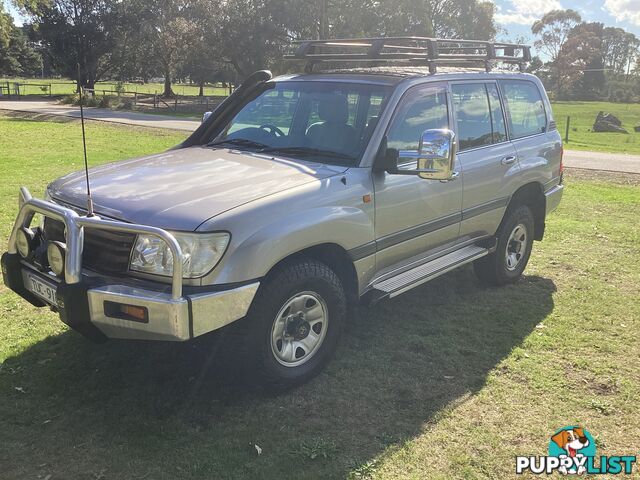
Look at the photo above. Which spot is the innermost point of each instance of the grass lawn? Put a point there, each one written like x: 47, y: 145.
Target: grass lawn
x: 31, y: 86
x: 450, y: 380
x: 583, y: 116
x: 33, y: 153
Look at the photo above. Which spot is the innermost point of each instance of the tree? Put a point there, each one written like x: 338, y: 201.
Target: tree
x: 431, y: 18
x: 6, y: 25
x: 251, y: 33
x: 554, y: 29
x: 579, y: 64
x: 75, y: 32
x: 163, y: 30
x: 17, y: 55
x: 620, y: 50
x: 203, y: 61
x: 19, y: 58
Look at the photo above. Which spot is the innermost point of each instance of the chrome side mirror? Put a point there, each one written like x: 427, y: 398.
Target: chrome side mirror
x: 437, y: 154
x: 206, y: 116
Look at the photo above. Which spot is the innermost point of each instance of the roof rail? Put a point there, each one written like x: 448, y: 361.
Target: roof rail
x: 414, y: 51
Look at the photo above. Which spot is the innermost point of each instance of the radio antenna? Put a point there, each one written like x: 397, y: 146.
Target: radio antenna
x: 84, y: 146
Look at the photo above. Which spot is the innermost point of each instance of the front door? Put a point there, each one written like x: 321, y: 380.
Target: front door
x: 413, y: 215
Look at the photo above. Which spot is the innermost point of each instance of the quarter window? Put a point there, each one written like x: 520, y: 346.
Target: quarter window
x: 471, y: 107
x: 525, y: 108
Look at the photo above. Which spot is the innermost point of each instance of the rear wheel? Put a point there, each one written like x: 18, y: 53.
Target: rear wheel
x: 295, y: 322
x: 515, y: 240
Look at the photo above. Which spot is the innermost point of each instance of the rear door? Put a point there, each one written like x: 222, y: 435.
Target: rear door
x: 488, y: 160
x: 528, y: 116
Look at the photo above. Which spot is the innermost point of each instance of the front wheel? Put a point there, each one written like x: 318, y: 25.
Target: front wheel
x: 515, y: 240
x: 295, y: 322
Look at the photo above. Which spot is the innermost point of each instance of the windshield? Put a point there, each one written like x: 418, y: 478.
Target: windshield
x: 329, y: 122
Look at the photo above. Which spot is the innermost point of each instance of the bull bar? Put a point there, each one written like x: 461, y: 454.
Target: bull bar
x: 173, y: 316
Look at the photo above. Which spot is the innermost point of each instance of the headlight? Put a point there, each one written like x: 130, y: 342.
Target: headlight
x: 201, y: 252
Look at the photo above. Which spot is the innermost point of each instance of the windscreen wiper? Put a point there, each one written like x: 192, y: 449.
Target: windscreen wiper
x: 308, y: 151
x: 240, y: 142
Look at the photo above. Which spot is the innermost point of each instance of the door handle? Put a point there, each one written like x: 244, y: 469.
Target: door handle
x: 454, y: 175
x: 509, y: 160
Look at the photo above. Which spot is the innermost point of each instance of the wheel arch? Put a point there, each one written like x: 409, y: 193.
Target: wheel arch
x: 335, y: 257
x: 531, y: 195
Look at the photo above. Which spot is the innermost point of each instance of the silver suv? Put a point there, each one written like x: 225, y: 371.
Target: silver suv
x: 300, y: 197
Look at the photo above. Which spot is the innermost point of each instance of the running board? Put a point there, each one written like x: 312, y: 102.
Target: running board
x: 427, y: 271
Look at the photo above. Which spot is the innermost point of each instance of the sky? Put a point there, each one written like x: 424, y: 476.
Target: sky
x: 516, y: 16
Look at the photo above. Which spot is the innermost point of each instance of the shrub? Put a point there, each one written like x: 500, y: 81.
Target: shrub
x: 70, y: 99
x: 91, y: 101
x: 108, y: 101
x: 119, y: 88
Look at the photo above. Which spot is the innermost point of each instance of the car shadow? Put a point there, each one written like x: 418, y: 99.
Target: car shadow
x: 74, y: 409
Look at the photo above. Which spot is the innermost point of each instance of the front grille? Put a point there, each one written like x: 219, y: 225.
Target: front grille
x: 104, y: 251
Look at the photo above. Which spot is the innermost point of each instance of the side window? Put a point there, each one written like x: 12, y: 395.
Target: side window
x: 497, y: 115
x: 423, y: 109
x: 471, y: 107
x: 525, y: 108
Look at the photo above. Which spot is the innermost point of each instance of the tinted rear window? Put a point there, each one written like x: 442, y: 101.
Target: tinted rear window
x: 471, y: 105
x: 525, y: 108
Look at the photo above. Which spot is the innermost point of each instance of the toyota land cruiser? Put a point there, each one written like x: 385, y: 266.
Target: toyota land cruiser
x: 300, y: 196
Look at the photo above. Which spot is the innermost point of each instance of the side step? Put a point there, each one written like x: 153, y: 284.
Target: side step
x: 427, y: 271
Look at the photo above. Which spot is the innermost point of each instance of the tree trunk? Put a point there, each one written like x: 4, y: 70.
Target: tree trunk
x: 167, y: 85
x: 90, y: 83
x: 201, y: 92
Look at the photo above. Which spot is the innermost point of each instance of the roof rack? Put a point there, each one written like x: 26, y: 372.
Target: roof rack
x: 413, y: 51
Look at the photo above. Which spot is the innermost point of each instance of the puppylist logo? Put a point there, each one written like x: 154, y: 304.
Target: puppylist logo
x: 572, y: 450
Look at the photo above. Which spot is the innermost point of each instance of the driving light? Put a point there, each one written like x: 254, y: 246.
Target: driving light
x: 24, y: 241
x: 56, y: 253
x: 201, y: 253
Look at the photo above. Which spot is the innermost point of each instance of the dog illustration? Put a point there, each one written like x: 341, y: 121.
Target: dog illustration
x: 571, y: 441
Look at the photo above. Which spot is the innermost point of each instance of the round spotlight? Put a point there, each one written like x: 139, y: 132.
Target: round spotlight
x: 24, y: 241
x: 56, y: 252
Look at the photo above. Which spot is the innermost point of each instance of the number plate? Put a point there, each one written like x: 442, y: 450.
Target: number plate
x: 45, y: 290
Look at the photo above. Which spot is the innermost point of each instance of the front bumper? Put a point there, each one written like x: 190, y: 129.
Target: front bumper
x: 84, y: 301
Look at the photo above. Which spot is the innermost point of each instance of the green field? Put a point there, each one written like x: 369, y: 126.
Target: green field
x: 32, y: 86
x: 451, y: 380
x: 583, y: 115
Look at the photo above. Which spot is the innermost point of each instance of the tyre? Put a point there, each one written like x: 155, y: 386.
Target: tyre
x: 515, y: 240
x: 294, y: 323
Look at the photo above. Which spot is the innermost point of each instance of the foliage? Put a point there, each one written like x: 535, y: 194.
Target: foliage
x: 224, y: 40
x: 554, y: 29
x: 204, y: 41
x: 619, y: 50
x: 17, y: 55
x: 587, y: 61
x: 6, y: 25
x: 75, y: 32
x: 579, y: 65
